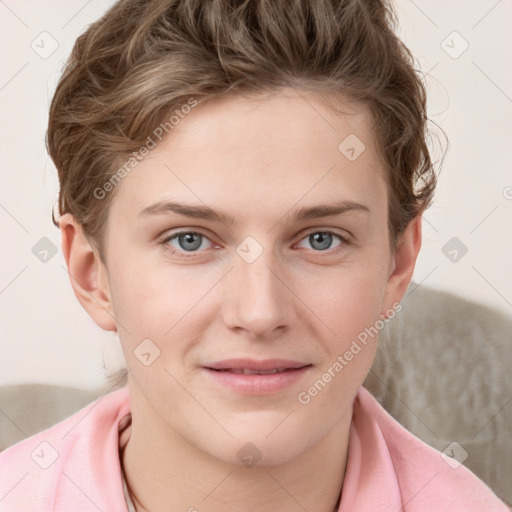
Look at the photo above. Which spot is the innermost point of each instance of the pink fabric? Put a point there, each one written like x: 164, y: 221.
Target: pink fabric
x: 74, y: 466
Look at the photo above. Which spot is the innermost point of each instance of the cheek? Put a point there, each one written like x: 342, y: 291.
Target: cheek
x: 154, y: 297
x: 346, y: 300
x: 351, y: 311
x: 168, y: 307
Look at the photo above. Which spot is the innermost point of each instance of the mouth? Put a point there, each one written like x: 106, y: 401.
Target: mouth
x: 249, y: 371
x: 254, y: 366
x: 248, y: 376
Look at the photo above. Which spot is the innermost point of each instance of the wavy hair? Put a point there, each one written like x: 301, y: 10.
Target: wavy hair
x: 145, y: 59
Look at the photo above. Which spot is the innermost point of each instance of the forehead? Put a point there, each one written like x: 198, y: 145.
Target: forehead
x: 266, y: 151
x: 281, y: 123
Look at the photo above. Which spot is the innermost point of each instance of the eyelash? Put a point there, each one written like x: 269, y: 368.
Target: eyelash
x: 193, y: 254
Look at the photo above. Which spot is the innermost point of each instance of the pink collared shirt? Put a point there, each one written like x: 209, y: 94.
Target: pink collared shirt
x: 75, y: 466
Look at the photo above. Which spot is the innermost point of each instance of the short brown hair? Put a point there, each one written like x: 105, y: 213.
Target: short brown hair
x: 145, y: 59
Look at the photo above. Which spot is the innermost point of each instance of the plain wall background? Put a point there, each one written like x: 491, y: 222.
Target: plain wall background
x: 46, y: 336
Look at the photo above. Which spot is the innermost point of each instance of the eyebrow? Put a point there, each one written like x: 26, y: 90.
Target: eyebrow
x: 203, y: 212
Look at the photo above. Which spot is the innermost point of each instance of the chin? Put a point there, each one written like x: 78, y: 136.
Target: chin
x: 261, y: 447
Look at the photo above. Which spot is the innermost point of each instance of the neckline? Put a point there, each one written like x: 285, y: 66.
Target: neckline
x: 124, y: 434
x: 124, y: 430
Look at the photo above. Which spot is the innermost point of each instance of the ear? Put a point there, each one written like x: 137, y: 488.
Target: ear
x: 403, y: 263
x: 88, y: 274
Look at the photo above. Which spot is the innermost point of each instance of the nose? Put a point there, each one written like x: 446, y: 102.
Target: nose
x: 257, y: 298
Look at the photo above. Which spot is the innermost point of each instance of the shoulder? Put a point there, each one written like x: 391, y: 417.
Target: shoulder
x: 427, y: 478
x: 66, y: 462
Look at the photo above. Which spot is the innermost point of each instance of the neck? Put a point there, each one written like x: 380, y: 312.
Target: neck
x: 164, y: 472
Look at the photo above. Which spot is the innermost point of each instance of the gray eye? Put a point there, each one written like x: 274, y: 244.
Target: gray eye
x: 320, y: 240
x: 190, y: 241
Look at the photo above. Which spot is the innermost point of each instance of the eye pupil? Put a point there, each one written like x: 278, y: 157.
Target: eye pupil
x: 190, y: 238
x: 324, y: 239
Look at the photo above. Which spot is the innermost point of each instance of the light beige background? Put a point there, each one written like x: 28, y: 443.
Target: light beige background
x: 45, y: 336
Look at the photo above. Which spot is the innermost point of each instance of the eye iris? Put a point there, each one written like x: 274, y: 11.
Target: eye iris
x: 325, y: 240
x: 187, y: 238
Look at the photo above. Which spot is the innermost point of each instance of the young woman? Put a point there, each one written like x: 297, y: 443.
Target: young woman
x: 242, y: 184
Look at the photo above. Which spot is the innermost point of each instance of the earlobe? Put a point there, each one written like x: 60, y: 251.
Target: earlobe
x: 87, y: 274
x: 404, y: 262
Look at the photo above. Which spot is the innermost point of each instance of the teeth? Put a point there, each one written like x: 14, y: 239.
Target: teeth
x: 247, y: 371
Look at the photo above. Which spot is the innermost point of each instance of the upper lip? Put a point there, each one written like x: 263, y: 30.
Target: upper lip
x: 253, y: 364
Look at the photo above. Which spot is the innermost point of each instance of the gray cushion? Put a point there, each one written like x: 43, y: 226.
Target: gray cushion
x: 443, y: 370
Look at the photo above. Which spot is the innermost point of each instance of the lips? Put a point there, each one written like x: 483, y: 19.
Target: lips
x: 248, y: 371
x: 252, y: 377
x: 255, y: 367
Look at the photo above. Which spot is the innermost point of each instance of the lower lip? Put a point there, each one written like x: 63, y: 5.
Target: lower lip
x: 258, y: 384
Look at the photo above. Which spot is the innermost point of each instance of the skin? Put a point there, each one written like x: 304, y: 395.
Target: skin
x: 259, y: 159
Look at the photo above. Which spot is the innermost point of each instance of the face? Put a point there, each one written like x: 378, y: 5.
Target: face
x: 292, y: 266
